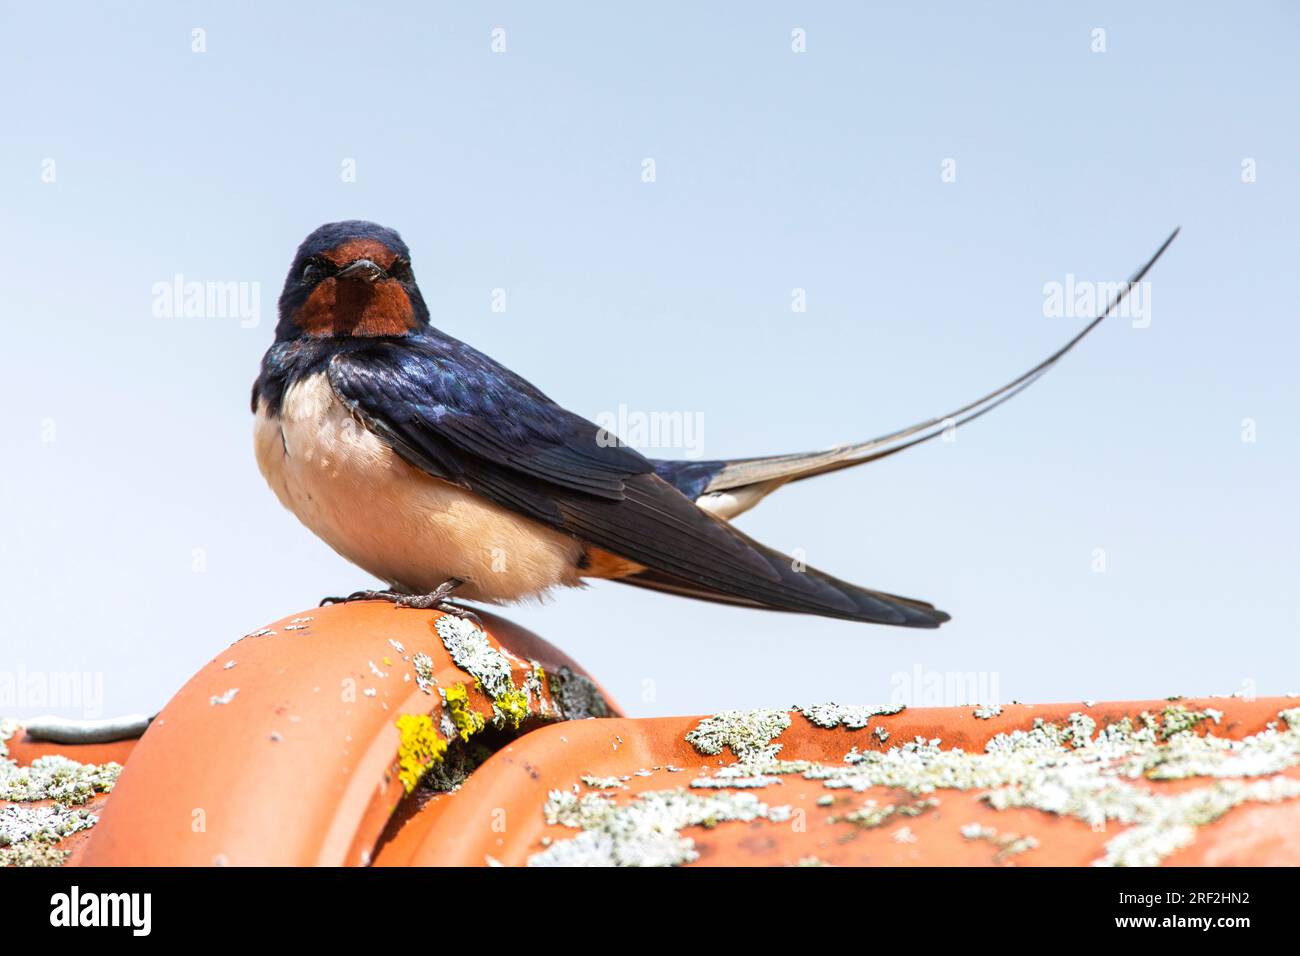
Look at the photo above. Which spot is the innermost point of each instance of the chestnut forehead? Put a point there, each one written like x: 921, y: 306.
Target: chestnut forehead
x: 354, y: 249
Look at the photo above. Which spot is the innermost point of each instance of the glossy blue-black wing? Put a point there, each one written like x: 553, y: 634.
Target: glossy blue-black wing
x: 461, y: 417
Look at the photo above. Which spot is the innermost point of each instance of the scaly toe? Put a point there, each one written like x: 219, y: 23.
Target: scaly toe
x: 362, y: 596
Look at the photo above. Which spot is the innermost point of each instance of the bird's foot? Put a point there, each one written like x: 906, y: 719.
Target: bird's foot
x: 362, y: 596
x: 435, y: 600
x: 453, y: 610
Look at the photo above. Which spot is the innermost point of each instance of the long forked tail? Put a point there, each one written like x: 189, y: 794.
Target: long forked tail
x: 729, y: 488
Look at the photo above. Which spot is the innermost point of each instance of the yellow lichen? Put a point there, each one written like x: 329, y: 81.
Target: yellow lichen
x: 420, y: 749
x: 464, y: 717
x: 513, y: 706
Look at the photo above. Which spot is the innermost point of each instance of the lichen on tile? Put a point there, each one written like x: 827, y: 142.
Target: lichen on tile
x: 423, y: 666
x: 472, y: 652
x: 49, y: 823
x: 749, y: 734
x: 55, y: 777
x: 576, y: 695
x: 872, y: 814
x: 853, y: 716
x: 603, y: 783
x: 442, y: 748
x: 641, y: 831
x: 465, y: 720
x: 28, y: 834
x: 420, y: 748
x: 1008, y: 845
x: 1068, y: 769
x: 33, y: 853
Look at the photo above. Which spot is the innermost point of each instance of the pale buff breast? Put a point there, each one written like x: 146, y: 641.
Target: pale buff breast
x: 396, y: 522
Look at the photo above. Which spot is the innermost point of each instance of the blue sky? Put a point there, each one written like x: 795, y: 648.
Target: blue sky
x: 141, y: 539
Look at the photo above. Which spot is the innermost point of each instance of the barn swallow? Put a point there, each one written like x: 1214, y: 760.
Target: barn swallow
x: 441, y: 472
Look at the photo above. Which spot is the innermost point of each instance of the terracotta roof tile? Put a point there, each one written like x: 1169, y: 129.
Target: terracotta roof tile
x: 300, y: 750
x: 363, y: 734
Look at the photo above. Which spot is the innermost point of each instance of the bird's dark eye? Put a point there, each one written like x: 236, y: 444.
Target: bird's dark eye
x: 400, y: 270
x: 311, y: 272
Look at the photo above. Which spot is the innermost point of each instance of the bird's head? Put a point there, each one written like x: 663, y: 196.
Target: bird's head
x: 350, y: 279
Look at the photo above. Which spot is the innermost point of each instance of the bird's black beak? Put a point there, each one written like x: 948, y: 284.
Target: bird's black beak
x: 361, y: 269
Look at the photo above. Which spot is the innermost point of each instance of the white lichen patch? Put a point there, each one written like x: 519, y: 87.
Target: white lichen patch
x: 1007, y: 844
x: 33, y: 853
x: 1168, y: 823
x: 1177, y: 719
x: 52, y: 823
x: 988, y: 712
x: 56, y: 778
x: 852, y: 716
x: 741, y: 781
x: 872, y: 814
x: 642, y: 831
x: 534, y: 684
x: 491, y: 668
x: 28, y: 834
x: 747, y: 733
x: 424, y: 678
x: 603, y: 783
x: 217, y: 700
x: 1079, y: 729
x: 473, y: 653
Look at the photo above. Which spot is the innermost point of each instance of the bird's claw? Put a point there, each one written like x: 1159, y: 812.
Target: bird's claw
x: 362, y: 596
x: 435, y: 600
